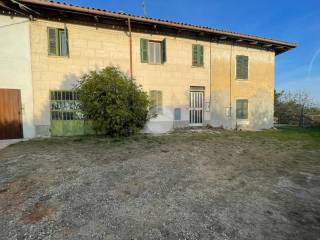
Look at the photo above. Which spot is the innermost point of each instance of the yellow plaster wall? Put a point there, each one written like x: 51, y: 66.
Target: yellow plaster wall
x: 258, y: 89
x: 94, y: 48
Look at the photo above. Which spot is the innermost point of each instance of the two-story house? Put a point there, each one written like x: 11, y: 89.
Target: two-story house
x: 195, y: 75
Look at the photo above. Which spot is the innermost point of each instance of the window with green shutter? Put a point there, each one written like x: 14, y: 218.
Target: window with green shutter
x: 156, y: 102
x: 242, y: 109
x: 242, y: 67
x: 197, y: 55
x: 153, y: 52
x: 58, y: 42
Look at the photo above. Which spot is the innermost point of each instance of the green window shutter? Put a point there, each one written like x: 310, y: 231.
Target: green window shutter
x: 245, y: 109
x: 242, y: 109
x: 144, y: 50
x: 197, y: 55
x: 156, y: 102
x: 159, y: 102
x: 238, y: 109
x: 53, y: 41
x: 164, y: 51
x: 242, y: 67
x: 200, y: 62
x: 194, y: 55
x: 153, y: 102
x: 66, y: 40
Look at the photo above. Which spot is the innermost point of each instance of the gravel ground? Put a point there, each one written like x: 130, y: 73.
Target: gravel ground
x: 186, y: 185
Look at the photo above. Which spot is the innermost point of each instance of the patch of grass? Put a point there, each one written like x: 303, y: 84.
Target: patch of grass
x: 309, y: 138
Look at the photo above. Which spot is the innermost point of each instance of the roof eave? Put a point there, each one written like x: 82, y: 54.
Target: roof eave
x: 277, y: 46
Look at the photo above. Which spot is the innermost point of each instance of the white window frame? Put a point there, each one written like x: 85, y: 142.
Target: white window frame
x: 154, y: 44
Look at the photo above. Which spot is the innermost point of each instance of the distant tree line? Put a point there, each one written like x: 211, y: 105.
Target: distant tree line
x: 292, y: 107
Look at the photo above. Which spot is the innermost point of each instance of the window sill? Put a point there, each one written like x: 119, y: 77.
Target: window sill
x: 243, y: 121
x: 153, y: 64
x: 55, y: 56
x: 195, y: 66
x: 242, y: 80
x: 156, y: 118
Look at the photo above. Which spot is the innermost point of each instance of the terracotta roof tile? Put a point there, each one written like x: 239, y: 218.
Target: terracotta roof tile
x: 97, y: 11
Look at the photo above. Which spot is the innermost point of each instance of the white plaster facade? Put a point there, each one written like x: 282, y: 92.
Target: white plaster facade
x: 15, y: 65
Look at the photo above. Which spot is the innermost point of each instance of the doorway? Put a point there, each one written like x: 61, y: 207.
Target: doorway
x: 10, y: 114
x: 196, y: 108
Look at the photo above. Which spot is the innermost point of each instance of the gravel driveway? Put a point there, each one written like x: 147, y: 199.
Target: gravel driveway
x: 186, y: 185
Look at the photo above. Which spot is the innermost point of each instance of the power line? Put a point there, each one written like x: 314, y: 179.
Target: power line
x: 11, y: 24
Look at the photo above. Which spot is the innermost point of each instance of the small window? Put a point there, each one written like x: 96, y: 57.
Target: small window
x: 197, y: 55
x: 64, y: 105
x: 156, y: 102
x: 58, y: 42
x: 152, y: 52
x: 242, y: 66
x: 177, y: 114
x: 242, y: 109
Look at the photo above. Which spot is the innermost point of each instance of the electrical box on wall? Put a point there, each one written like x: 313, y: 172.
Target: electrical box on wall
x: 177, y: 114
x: 207, y: 107
x: 227, y: 111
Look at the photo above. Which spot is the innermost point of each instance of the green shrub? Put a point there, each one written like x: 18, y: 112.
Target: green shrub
x: 114, y: 102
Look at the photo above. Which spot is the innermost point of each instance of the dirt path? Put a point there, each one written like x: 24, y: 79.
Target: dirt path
x: 6, y: 143
x: 211, y: 185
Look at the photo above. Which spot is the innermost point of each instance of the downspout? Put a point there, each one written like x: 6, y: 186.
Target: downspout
x: 130, y: 45
x: 210, y: 86
x: 34, y: 133
x: 230, y: 84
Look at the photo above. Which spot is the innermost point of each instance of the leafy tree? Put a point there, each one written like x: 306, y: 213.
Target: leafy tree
x: 114, y: 102
x: 278, y: 111
x: 290, y: 107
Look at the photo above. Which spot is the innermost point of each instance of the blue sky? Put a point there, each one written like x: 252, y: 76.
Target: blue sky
x: 290, y: 20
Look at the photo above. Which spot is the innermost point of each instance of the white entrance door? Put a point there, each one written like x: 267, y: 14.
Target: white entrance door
x: 196, y: 108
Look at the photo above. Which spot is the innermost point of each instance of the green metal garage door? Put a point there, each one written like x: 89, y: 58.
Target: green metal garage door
x: 66, y: 117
